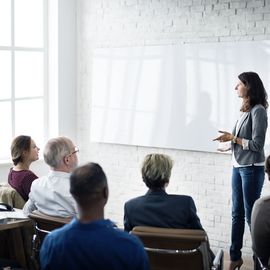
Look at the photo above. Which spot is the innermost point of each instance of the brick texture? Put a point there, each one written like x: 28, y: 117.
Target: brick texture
x: 204, y: 176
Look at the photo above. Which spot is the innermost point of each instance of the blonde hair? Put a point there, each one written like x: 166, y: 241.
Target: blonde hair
x: 156, y: 170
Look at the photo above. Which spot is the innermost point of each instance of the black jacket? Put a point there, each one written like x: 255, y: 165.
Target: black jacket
x: 159, y: 209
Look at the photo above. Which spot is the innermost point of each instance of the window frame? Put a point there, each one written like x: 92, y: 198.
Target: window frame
x: 13, y: 49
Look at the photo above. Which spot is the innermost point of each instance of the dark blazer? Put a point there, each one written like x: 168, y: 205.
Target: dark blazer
x: 253, y: 128
x: 159, y: 209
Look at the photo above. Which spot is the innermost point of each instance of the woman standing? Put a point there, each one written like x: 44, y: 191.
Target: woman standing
x: 247, y: 137
x: 23, y: 152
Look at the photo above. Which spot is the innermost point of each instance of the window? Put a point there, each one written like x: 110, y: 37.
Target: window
x: 23, y: 71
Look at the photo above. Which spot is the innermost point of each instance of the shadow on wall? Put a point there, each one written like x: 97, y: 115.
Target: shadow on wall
x: 174, y: 96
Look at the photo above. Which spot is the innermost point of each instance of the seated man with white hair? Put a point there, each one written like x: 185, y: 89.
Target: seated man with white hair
x: 50, y: 194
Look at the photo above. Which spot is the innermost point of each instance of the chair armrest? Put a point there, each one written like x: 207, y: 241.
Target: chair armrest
x: 218, y: 261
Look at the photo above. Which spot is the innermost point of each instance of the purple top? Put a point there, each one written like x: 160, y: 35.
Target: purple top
x: 21, y: 181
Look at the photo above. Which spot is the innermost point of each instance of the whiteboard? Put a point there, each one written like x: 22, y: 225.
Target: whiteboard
x: 171, y: 96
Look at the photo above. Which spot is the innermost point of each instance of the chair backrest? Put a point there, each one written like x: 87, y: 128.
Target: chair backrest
x: 45, y: 224
x: 175, y: 249
x: 10, y: 196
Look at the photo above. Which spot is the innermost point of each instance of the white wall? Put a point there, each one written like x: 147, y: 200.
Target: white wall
x: 67, y: 105
x: 204, y: 176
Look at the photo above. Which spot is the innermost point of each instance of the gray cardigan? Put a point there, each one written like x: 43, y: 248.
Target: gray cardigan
x: 253, y: 128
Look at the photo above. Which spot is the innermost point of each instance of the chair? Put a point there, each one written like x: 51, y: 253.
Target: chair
x: 176, y: 249
x: 10, y: 196
x: 44, y: 224
x: 259, y: 265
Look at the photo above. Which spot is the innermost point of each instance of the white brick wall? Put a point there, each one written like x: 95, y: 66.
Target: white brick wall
x: 204, y: 176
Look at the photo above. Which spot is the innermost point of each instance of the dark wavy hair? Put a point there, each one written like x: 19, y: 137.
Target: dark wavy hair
x: 256, y: 93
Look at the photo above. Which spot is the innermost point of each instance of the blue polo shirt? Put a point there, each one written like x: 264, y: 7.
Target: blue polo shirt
x: 97, y: 245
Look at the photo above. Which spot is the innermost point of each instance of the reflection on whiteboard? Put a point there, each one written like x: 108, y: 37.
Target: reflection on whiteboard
x: 175, y: 96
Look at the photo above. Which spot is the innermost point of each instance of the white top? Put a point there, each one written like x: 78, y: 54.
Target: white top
x: 50, y: 195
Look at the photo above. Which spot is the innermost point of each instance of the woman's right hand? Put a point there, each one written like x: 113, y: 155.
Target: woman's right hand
x: 225, y: 137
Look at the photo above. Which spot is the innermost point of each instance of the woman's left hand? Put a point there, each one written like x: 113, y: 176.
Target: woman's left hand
x: 225, y: 137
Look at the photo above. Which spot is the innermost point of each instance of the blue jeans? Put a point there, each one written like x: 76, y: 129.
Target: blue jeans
x: 247, y: 183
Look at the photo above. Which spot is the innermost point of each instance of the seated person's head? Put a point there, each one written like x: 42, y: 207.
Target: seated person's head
x: 23, y: 149
x: 156, y: 170
x: 61, y: 154
x: 88, y: 186
x: 267, y: 166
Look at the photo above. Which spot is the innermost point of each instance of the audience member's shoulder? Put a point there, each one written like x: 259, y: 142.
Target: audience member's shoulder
x: 134, y: 200
x: 180, y: 197
x: 28, y: 172
x: 59, y: 232
x: 263, y: 200
x: 127, y: 237
x: 39, y: 180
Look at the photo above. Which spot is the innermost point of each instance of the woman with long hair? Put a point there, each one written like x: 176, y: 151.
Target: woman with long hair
x: 247, y: 145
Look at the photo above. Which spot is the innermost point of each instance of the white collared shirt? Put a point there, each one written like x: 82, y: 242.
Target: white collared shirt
x: 50, y: 195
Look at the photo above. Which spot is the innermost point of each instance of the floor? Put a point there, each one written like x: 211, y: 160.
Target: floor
x: 247, y: 265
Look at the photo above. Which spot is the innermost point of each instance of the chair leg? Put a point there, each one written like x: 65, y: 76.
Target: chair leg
x: 255, y: 263
x: 35, y: 252
x: 259, y: 264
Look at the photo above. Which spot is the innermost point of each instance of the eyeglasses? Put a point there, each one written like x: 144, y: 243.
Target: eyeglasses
x: 76, y: 150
